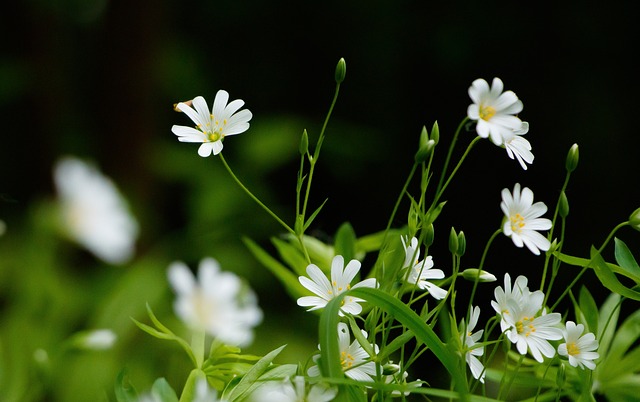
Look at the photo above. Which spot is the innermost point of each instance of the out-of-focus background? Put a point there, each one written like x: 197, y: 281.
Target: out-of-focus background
x: 97, y: 79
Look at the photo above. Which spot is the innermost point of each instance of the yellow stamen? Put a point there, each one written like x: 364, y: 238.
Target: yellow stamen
x: 487, y: 112
x: 517, y: 222
x: 573, y: 349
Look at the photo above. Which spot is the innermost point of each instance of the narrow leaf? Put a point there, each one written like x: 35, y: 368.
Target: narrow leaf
x: 608, y: 278
x: 625, y: 259
x: 314, y: 214
x: 252, y: 375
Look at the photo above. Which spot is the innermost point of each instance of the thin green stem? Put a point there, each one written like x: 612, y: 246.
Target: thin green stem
x: 254, y: 198
x: 480, y: 267
x: 584, y: 269
x: 450, y: 152
x: 454, y: 171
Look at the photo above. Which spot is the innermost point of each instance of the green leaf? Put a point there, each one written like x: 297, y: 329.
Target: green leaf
x: 314, y: 214
x: 277, y: 373
x: 162, y: 391
x: 609, y: 279
x: 286, y: 277
x: 252, y: 375
x: 345, y: 242
x: 291, y: 254
x: 625, y: 259
x: 584, y: 262
x: 624, y: 338
x: 330, y: 365
x: 607, y: 322
x: 125, y: 392
x: 589, y: 310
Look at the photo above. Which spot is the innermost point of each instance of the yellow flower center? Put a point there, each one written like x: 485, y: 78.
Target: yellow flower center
x: 525, y: 326
x: 346, y: 360
x: 215, y: 131
x: 573, y: 349
x: 487, y: 112
x: 517, y: 223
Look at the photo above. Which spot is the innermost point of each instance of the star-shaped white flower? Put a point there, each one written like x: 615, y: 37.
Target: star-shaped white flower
x: 419, y: 272
x: 218, y: 302
x: 580, y: 349
x: 212, y: 126
x: 93, y: 212
x: 341, y: 278
x: 520, y: 294
x: 523, y: 219
x: 518, y: 147
x: 356, y: 362
x: 472, y: 351
x: 523, y: 321
x: 494, y: 110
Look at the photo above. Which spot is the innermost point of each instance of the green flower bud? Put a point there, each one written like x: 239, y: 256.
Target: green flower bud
x: 424, y: 152
x: 304, y: 143
x: 413, y: 220
x: 462, y: 244
x: 429, y: 234
x: 634, y: 219
x: 435, y: 132
x: 563, y: 205
x: 473, y: 274
x: 390, y: 369
x: 561, y: 376
x: 299, y: 225
x: 572, y: 158
x: 453, y: 241
x: 341, y: 70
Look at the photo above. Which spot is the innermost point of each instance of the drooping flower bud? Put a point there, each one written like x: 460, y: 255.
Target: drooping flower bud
x: 473, y: 274
x: 634, y: 219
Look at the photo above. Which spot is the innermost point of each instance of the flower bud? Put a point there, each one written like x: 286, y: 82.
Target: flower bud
x: 390, y: 369
x: 424, y: 151
x: 563, y: 205
x: 341, y: 70
x: 453, y: 241
x: 429, y: 233
x: 473, y: 274
x: 413, y: 220
x: 572, y: 158
x: 634, y: 219
x: 561, y: 376
x: 435, y: 132
x: 304, y: 143
x: 462, y: 244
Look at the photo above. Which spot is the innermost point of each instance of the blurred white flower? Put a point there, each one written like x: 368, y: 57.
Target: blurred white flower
x: 93, y: 212
x: 419, y: 272
x: 98, y: 339
x: 293, y: 390
x: 218, y: 302
x: 341, y: 278
x: 518, y: 147
x: 523, y: 219
x: 494, y: 110
x: 356, y: 362
x: 580, y: 349
x: 212, y: 126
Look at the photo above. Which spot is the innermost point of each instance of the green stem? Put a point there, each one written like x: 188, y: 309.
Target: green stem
x: 454, y: 171
x: 480, y: 267
x: 450, y: 152
x: 584, y: 269
x: 253, y: 197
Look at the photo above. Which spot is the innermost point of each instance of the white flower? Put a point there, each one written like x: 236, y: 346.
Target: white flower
x: 204, y: 393
x: 293, y: 390
x: 341, y: 278
x: 521, y: 323
x: 420, y: 271
x: 519, y: 148
x: 212, y: 126
x: 93, y: 213
x: 523, y: 219
x: 99, y: 339
x: 493, y: 110
x: 471, y: 350
x: 356, y: 362
x: 580, y: 349
x: 219, y: 303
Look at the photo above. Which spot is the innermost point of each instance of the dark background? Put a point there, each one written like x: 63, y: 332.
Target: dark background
x: 98, y: 78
